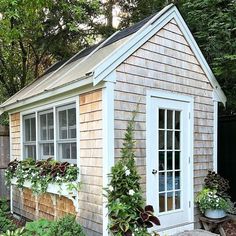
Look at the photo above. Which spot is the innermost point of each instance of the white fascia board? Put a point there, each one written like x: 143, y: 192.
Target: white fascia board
x: 122, y: 53
x: 48, y: 94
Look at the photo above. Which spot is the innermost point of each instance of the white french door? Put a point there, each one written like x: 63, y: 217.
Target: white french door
x: 169, y: 181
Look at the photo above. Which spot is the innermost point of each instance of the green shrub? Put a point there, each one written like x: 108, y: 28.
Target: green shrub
x: 5, y: 223
x: 17, y: 232
x: 127, y: 213
x: 38, y: 228
x: 66, y: 226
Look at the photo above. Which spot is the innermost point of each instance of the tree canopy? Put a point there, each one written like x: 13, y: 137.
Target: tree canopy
x: 34, y: 34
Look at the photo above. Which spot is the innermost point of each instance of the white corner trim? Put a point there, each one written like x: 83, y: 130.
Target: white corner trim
x: 215, y: 144
x: 108, y: 142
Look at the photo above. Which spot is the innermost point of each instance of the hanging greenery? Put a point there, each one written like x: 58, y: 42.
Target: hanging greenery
x: 41, y: 173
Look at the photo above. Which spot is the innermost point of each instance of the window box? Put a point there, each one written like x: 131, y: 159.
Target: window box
x: 57, y: 189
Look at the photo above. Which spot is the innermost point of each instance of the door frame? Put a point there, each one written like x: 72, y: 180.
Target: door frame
x: 150, y: 182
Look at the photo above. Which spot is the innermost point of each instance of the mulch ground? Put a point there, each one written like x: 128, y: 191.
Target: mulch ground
x: 229, y: 228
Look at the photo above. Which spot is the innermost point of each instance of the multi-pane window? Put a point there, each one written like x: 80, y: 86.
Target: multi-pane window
x: 46, y: 134
x: 169, y: 160
x: 67, y: 133
x: 29, y: 140
x: 62, y: 133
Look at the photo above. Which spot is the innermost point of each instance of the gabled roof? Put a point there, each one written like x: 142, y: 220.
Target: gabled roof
x: 94, y: 64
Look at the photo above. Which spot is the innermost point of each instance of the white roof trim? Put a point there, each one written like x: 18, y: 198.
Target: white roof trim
x: 111, y: 62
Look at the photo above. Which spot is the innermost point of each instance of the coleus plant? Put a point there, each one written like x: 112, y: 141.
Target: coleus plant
x: 40, y: 173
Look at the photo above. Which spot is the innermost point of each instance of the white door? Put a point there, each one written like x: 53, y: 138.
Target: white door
x: 169, y: 181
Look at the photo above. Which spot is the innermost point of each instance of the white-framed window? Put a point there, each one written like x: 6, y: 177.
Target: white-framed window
x: 29, y: 139
x: 51, y: 133
x: 66, y: 135
x: 46, y: 134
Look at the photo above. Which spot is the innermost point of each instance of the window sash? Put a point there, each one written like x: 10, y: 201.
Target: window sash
x: 52, y: 145
x: 65, y: 144
x: 46, y: 134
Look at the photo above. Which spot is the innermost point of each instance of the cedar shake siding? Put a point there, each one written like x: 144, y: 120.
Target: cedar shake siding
x: 52, y: 206
x: 165, y: 62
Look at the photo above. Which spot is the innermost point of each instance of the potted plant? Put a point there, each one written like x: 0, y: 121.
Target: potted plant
x: 213, y: 200
x: 211, y: 204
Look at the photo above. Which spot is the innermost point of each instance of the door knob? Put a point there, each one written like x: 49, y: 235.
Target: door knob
x: 154, y: 171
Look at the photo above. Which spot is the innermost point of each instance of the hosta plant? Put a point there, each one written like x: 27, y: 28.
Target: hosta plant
x: 127, y: 214
x: 40, y: 173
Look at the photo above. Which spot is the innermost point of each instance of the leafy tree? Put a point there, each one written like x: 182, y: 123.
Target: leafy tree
x: 213, y: 24
x: 34, y: 34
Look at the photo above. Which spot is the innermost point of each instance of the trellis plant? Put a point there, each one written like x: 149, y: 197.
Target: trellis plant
x: 41, y: 174
x: 127, y: 213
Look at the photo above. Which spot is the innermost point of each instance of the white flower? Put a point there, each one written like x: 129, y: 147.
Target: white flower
x: 131, y: 192
x: 111, y: 188
x: 127, y: 172
x: 125, y: 168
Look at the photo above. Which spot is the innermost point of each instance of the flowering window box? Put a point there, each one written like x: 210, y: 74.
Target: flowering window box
x: 45, y: 176
x: 63, y: 189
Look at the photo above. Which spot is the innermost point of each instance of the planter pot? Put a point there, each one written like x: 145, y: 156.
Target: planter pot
x: 215, y: 214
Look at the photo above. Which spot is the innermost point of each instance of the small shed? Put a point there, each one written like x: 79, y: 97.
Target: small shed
x: 155, y: 63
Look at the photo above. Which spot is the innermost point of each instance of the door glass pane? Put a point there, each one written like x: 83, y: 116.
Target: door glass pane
x: 169, y: 201
x: 161, y: 202
x: 169, y: 134
x: 161, y: 119
x: 177, y: 119
x: 161, y: 182
x: 161, y: 140
x: 169, y: 180
x: 169, y: 139
x: 169, y: 119
x: 177, y: 179
x: 177, y: 140
x: 177, y: 200
x: 177, y: 160
x: 161, y: 160
x: 169, y: 161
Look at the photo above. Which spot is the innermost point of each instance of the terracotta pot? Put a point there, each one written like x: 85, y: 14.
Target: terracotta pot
x: 215, y: 213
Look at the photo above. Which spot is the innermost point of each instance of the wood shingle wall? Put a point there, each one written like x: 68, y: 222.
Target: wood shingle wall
x: 165, y: 62
x: 91, y: 162
x: 52, y: 206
